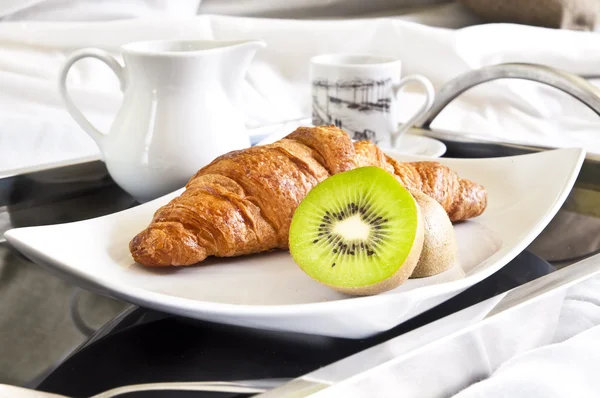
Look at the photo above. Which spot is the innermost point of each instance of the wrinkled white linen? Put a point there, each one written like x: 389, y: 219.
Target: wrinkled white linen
x: 566, y: 367
x: 93, y: 10
x: 425, y: 11
x: 547, y: 347
x: 569, y: 369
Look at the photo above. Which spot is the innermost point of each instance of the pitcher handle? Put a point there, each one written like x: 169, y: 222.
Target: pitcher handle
x: 109, y: 60
x: 429, y: 98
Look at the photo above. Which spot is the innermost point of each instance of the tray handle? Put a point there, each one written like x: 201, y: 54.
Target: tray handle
x: 567, y: 82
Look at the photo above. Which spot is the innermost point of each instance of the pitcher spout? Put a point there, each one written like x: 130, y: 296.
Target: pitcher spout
x: 236, y: 65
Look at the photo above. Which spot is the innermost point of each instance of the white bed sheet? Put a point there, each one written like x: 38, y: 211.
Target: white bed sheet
x: 548, y: 347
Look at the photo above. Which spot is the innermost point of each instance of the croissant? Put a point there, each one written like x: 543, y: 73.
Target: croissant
x: 243, y: 201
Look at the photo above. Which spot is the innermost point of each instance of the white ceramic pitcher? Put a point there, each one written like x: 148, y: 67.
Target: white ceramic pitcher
x: 179, y: 111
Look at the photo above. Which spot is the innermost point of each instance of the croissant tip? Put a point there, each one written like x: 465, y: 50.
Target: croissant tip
x: 154, y: 247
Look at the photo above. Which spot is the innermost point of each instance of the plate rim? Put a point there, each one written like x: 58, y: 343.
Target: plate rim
x: 441, y: 147
x: 183, y: 305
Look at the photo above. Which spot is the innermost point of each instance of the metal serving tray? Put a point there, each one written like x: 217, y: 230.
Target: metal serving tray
x: 574, y: 233
x: 85, y: 190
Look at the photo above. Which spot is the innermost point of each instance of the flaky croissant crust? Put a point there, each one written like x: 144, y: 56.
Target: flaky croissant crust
x: 243, y: 201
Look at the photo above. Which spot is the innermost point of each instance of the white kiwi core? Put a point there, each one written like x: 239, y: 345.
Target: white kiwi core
x: 352, y: 228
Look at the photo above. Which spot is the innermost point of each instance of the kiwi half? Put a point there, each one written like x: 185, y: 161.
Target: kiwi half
x: 440, y: 251
x: 359, y: 232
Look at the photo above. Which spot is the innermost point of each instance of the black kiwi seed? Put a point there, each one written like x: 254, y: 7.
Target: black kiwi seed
x: 333, y: 265
x: 316, y: 241
x: 335, y: 250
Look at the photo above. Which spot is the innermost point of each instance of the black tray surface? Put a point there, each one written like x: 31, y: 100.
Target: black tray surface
x: 146, y: 346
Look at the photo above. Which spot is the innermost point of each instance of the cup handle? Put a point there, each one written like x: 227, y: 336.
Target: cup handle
x: 429, y: 97
x: 109, y: 60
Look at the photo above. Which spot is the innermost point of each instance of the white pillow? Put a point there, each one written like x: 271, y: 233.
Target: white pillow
x: 93, y: 10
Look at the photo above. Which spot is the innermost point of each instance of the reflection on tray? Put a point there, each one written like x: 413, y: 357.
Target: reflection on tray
x: 65, y: 194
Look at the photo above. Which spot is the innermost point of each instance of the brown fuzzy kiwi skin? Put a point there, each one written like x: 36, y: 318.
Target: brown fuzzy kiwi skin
x: 403, y: 272
x: 440, y: 251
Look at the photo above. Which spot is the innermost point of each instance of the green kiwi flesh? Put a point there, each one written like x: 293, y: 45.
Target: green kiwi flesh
x: 359, y: 232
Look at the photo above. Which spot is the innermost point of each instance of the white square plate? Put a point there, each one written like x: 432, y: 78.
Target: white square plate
x: 269, y: 291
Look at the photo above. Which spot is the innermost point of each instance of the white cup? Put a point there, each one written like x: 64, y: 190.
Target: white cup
x: 359, y: 94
